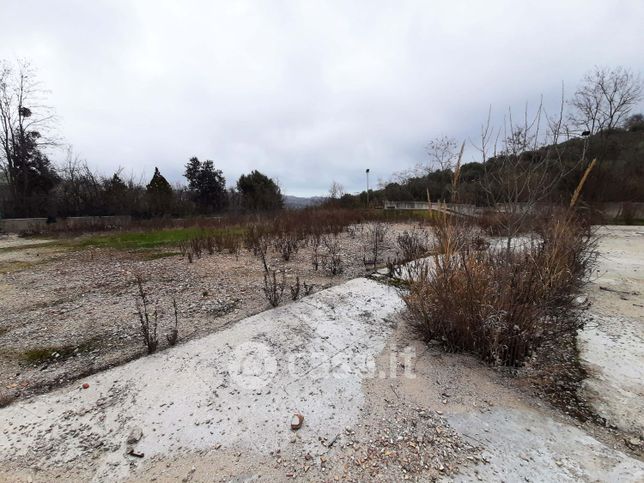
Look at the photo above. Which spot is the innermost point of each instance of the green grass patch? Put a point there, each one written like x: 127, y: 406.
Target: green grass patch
x: 39, y: 355
x: 31, y: 246
x: 158, y: 255
x: 15, y: 266
x: 133, y: 240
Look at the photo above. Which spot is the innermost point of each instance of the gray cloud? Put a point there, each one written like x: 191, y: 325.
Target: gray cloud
x: 306, y: 92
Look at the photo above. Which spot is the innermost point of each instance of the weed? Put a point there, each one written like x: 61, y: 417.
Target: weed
x: 274, y: 289
x: 149, y: 323
x: 332, y: 259
x: 308, y: 289
x: 286, y: 244
x: 314, y: 241
x: 413, y: 244
x: 374, y: 243
x: 295, y: 289
x: 257, y: 241
x: 173, y: 335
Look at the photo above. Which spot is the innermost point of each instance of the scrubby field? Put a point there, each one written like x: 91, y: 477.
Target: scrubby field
x: 415, y: 413
x: 68, y: 306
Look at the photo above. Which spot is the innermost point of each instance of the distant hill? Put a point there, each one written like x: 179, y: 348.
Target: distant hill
x: 299, y: 202
x: 618, y: 176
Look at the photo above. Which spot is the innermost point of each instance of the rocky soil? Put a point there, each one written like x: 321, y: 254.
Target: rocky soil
x: 66, y: 313
x: 378, y: 403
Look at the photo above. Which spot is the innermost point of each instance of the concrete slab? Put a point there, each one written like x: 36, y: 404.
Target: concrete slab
x: 237, y: 388
x: 612, y: 343
x: 523, y: 445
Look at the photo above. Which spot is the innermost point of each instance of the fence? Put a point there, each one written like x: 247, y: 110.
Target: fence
x: 20, y: 225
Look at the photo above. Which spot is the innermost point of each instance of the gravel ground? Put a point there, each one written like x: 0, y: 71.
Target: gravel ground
x: 69, y: 313
x: 456, y: 419
x: 148, y: 418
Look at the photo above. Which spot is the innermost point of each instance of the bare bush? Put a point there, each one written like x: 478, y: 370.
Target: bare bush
x: 295, y: 289
x: 231, y: 242
x: 274, y: 289
x: 286, y: 245
x: 374, y: 243
x: 209, y: 244
x: 502, y: 305
x: 149, y: 322
x: 196, y: 247
x: 413, y: 244
x: 315, y: 241
x: 173, y: 335
x: 257, y: 241
x: 308, y: 288
x: 332, y: 259
x: 183, y: 249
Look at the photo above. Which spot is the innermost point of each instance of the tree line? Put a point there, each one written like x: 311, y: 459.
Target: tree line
x: 536, y: 156
x: 31, y: 185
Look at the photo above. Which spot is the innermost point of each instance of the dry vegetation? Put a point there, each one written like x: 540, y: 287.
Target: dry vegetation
x: 501, y: 304
x: 71, y: 308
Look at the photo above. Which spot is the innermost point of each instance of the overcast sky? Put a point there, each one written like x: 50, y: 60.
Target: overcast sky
x: 304, y: 91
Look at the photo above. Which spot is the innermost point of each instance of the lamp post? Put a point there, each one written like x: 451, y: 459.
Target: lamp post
x: 367, y: 171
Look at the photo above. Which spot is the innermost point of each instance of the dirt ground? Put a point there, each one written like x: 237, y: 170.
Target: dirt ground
x: 454, y: 419
x: 66, y: 313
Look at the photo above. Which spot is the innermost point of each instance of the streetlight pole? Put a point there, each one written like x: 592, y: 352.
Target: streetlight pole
x: 367, y: 187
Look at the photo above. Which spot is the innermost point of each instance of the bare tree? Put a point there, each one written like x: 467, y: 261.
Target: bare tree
x: 605, y: 98
x: 80, y: 190
x: 523, y: 163
x: 336, y: 191
x: 442, y: 152
x: 25, y: 127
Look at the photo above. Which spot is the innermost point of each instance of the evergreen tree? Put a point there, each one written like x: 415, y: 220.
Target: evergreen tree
x: 159, y: 194
x: 259, y: 192
x: 207, y: 184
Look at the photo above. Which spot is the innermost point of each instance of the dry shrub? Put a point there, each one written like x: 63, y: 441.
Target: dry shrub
x: 412, y: 244
x: 257, y: 241
x: 274, y: 288
x: 308, y: 288
x: 501, y: 304
x: 332, y: 259
x: 149, y: 322
x: 295, y: 289
x: 173, y: 336
x: 315, y: 240
x: 230, y: 242
x: 374, y: 243
x: 494, y: 223
x: 196, y: 246
x: 286, y: 245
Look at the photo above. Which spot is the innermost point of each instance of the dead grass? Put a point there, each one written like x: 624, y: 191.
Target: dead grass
x: 502, y: 304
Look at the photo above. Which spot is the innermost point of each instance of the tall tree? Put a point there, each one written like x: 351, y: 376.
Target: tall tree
x: 259, y: 192
x: 207, y: 184
x: 159, y: 194
x: 24, y: 126
x: 605, y: 98
x: 442, y: 153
